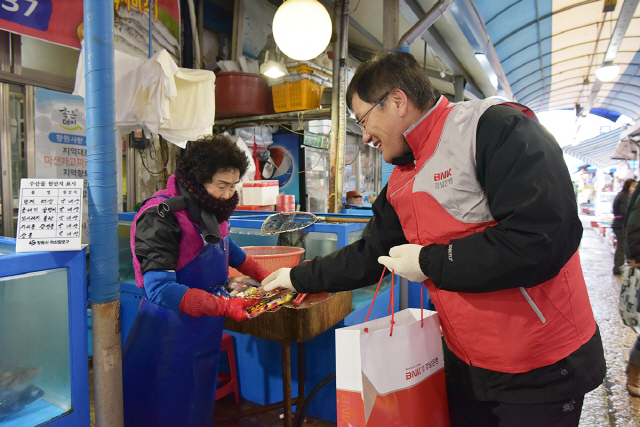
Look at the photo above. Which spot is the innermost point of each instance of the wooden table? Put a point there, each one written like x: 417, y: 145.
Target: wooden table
x: 317, y: 314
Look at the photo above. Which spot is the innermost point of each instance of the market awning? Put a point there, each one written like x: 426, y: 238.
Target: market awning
x: 597, y: 151
x: 550, y: 49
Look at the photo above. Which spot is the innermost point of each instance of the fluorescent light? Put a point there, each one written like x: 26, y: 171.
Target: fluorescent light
x: 273, y: 69
x: 607, y: 72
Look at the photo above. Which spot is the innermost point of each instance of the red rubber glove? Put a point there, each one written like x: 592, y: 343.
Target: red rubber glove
x: 197, y: 303
x: 251, y: 268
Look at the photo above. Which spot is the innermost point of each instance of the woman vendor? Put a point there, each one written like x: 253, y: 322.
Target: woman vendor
x: 180, y: 238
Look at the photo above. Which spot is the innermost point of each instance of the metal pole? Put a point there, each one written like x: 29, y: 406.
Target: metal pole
x: 103, y: 212
x: 338, y: 138
x: 5, y: 163
x: 423, y: 24
x: 150, y: 28
x: 238, y: 29
x: 335, y: 102
x: 357, y: 167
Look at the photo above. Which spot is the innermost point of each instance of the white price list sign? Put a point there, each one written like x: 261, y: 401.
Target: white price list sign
x: 50, y: 215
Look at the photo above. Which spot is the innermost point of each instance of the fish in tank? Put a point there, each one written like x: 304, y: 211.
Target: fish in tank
x: 16, y: 390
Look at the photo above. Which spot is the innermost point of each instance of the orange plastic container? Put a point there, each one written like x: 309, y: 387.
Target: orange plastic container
x: 271, y: 258
x: 254, y: 208
x: 292, y: 96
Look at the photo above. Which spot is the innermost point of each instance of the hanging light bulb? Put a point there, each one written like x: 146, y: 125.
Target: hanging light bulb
x: 302, y: 29
x: 607, y: 72
x: 272, y: 68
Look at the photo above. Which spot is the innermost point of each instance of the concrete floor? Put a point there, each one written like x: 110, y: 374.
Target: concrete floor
x: 607, y: 406
x: 610, y: 404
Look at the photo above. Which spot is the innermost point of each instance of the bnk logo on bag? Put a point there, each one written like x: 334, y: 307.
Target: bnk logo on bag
x: 397, y: 379
x: 415, y: 371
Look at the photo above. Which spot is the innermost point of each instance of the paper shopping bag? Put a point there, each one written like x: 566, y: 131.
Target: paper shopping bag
x: 397, y: 379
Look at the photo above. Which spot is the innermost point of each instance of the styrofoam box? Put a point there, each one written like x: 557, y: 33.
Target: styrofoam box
x: 260, y: 192
x: 322, y: 127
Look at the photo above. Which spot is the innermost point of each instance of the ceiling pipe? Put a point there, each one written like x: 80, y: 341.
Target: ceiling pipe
x: 423, y: 24
x: 473, y: 27
x: 412, y: 12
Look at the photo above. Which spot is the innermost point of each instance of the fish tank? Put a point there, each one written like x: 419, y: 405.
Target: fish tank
x: 319, y: 239
x: 43, y: 338
x: 125, y: 262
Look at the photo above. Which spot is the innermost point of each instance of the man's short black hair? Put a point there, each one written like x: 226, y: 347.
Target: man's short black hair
x: 388, y: 70
x: 209, y: 155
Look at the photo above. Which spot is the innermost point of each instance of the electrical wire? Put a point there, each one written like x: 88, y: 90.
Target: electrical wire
x: 164, y: 153
x: 324, y: 149
x: 153, y: 156
x: 354, y: 157
x: 265, y: 123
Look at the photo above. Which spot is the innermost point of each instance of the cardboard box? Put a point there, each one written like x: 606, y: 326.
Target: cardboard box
x: 260, y: 192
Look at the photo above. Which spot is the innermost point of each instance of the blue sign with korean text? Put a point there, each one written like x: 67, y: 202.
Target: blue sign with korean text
x: 29, y: 13
x: 63, y: 138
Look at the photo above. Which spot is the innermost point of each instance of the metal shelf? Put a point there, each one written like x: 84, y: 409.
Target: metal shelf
x: 303, y: 115
x: 288, y: 117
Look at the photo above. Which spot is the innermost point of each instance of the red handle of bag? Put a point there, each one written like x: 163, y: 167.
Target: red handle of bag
x: 374, y: 296
x: 392, y: 302
x: 422, y: 304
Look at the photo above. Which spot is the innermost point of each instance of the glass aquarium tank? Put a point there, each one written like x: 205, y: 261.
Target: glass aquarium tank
x: 8, y: 246
x: 35, y: 365
x: 124, y: 252
x: 43, y: 338
x: 320, y: 239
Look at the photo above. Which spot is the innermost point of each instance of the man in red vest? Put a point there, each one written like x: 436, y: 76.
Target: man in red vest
x: 480, y: 206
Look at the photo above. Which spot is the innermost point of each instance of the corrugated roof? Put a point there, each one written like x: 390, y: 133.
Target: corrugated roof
x: 550, y: 49
x: 597, y: 151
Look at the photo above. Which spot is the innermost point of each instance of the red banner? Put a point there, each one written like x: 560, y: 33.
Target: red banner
x: 57, y: 21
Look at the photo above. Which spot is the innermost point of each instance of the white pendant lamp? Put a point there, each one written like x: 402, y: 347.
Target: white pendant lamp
x: 302, y: 29
x: 607, y: 72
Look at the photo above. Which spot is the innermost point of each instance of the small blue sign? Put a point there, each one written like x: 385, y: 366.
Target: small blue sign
x: 64, y: 138
x: 29, y: 13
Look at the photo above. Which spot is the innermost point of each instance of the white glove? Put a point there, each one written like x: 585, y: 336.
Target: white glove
x: 279, y: 279
x: 404, y: 260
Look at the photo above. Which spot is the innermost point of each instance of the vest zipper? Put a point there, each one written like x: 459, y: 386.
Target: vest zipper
x: 533, y: 305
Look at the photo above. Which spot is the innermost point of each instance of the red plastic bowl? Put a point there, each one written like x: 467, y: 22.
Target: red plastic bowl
x: 271, y: 258
x: 242, y: 94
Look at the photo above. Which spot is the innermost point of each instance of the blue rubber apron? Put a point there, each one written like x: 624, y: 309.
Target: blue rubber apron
x: 170, y: 359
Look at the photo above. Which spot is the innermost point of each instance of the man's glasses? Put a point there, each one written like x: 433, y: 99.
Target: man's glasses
x: 360, y: 122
